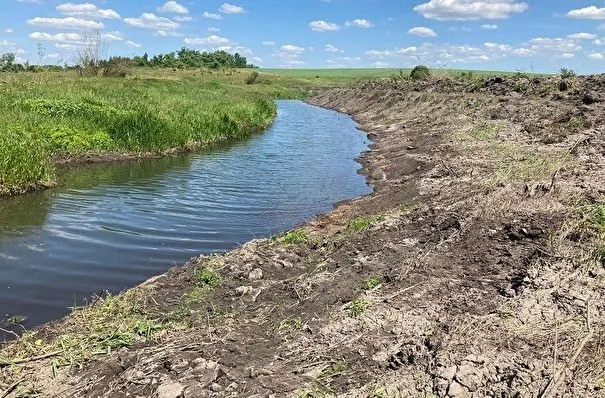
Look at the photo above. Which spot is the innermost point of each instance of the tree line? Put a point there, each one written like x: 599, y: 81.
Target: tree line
x: 182, y: 59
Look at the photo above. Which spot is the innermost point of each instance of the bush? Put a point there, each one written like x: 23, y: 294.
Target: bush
x: 117, y: 68
x: 566, y: 73
x: 253, y: 78
x: 420, y: 72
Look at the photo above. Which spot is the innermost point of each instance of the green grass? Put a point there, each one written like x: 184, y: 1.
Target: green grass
x: 50, y: 115
x: 363, y: 223
x: 293, y: 237
x: 357, y: 307
x: 371, y: 283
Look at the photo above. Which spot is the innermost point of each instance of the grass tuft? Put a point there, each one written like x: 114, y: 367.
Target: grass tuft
x: 363, y: 223
x: 357, y: 307
x: 293, y: 237
x: 371, y: 283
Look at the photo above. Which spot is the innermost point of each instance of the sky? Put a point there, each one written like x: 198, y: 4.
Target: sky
x: 515, y: 35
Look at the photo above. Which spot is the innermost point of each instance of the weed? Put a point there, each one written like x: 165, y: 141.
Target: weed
x: 598, y: 254
x: 335, y: 369
x: 357, y: 307
x: 313, y: 392
x: 294, y: 237
x: 291, y: 323
x: 566, y: 73
x: 371, y: 283
x: 206, y: 278
x: 253, y: 78
x: 379, y: 392
x: 576, y: 124
x: 420, y: 72
x: 485, y: 131
x: 595, y: 216
x: 363, y: 223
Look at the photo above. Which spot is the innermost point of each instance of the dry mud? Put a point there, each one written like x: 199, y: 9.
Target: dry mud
x: 477, y: 278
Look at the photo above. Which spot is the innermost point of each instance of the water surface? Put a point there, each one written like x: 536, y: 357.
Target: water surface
x: 110, y: 227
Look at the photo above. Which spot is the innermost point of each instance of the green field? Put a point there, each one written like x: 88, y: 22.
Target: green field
x: 58, y: 115
x: 370, y: 73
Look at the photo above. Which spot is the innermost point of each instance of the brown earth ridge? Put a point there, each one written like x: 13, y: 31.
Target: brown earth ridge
x: 475, y: 269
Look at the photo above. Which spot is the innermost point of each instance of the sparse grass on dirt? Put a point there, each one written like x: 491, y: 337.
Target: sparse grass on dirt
x: 363, y: 223
x: 293, y: 237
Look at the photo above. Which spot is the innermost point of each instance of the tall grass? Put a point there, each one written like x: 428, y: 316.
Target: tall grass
x: 60, y: 114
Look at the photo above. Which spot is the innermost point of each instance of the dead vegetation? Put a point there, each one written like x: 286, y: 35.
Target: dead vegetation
x: 474, y: 270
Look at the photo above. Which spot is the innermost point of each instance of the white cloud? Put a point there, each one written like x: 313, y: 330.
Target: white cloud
x: 595, y: 56
x: 213, y: 29
x: 131, y: 43
x: 462, y: 10
x: 174, y: 8
x: 568, y: 55
x: 8, y: 30
x: 211, y: 15
x: 268, y: 43
x: 583, y: 36
x: 6, y: 43
x: 183, y: 18
x: 323, y: 26
x: 149, y: 20
x: 86, y: 10
x: 62, y: 23
x: 167, y: 33
x: 292, y: 49
x: 359, y: 23
x: 489, y: 26
x: 380, y: 64
x: 71, y: 38
x: 112, y: 36
x: 591, y: 12
x: 331, y: 49
x: 422, y: 32
x: 227, y: 8
x: 547, y: 44
x: 212, y: 40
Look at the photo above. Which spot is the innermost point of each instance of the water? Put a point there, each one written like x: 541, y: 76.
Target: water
x: 110, y: 227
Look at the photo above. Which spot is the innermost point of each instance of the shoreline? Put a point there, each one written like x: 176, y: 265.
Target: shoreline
x: 439, y: 282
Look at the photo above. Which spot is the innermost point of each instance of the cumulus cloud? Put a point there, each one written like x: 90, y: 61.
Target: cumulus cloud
x: 359, y: 23
x: 8, y: 30
x: 212, y: 15
x: 323, y: 26
x: 167, y: 33
x: 489, y: 26
x: 87, y: 10
x: 63, y: 23
x: 583, y: 36
x: 227, y: 8
x: 595, y: 56
x: 212, y: 40
x: 463, y: 10
x: 332, y: 49
x: 268, y: 43
x: 174, y: 8
x: 422, y: 32
x: 591, y: 12
x: 289, y: 55
x: 72, y: 38
x: 149, y: 20
x: 133, y: 44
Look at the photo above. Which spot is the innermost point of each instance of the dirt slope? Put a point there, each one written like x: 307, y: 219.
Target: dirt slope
x: 474, y: 270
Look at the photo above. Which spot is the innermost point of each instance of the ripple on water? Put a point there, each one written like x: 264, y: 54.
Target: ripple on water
x: 112, y: 226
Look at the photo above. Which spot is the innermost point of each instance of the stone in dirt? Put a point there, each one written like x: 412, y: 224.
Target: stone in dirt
x: 171, y: 390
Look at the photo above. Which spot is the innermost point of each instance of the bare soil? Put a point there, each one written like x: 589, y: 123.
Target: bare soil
x: 477, y: 278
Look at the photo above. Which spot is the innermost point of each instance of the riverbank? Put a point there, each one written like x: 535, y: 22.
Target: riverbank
x: 57, y: 117
x: 474, y: 269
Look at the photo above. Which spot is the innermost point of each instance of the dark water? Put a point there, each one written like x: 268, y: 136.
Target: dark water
x: 110, y: 227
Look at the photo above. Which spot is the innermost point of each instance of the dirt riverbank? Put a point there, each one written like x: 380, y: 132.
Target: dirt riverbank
x: 475, y: 269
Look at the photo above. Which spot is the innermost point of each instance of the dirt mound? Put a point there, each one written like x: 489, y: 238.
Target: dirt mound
x: 474, y: 269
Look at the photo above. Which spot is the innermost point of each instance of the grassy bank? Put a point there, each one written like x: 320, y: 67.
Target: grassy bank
x: 59, y: 115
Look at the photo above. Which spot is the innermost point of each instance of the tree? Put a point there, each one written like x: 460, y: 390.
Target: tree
x: 88, y: 56
x: 7, y: 62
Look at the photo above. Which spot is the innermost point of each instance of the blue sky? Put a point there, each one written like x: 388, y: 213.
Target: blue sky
x: 538, y: 35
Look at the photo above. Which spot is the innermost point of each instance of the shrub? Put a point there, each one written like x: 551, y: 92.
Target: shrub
x: 253, y: 78
x: 566, y: 73
x: 117, y: 68
x: 420, y: 72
